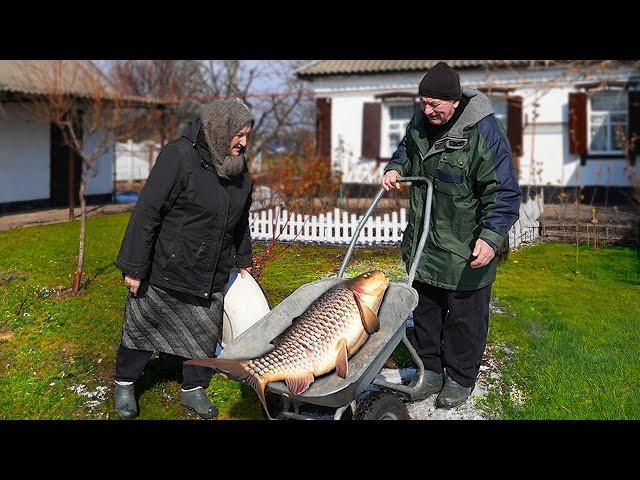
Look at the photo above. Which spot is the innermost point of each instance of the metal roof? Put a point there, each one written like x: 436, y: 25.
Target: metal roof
x: 79, y: 78
x: 342, y: 67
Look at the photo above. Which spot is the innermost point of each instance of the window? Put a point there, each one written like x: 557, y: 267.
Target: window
x: 397, y: 117
x: 499, y: 103
x: 608, y: 121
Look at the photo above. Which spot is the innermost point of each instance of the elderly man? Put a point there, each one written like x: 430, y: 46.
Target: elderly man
x: 455, y: 140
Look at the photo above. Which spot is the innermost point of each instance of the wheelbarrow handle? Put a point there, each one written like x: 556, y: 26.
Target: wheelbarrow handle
x: 423, y: 237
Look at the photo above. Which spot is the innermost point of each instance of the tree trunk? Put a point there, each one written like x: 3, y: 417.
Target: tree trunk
x: 83, y: 230
x: 72, y: 183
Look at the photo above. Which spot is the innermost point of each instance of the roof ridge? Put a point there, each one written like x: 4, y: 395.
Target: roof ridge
x: 338, y: 67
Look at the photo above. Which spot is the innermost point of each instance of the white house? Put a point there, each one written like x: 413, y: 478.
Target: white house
x: 37, y: 169
x: 564, y: 119
x: 134, y: 160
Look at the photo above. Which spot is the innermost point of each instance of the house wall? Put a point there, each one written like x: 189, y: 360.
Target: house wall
x: 25, y: 159
x: 546, y: 159
x: 132, y: 160
x: 100, y: 176
x: 24, y: 156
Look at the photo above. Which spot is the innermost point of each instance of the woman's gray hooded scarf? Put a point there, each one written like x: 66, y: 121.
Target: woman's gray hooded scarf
x: 221, y: 121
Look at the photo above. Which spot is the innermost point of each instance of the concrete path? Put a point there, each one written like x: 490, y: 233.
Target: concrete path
x: 56, y: 215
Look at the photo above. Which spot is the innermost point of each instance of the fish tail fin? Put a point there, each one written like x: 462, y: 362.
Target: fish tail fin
x: 237, y: 370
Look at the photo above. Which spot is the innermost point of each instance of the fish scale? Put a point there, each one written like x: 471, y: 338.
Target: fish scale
x: 329, y: 317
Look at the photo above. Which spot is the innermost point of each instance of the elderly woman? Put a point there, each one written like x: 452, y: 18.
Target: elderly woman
x: 190, y: 227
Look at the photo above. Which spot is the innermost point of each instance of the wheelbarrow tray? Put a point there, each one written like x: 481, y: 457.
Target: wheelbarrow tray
x: 330, y: 390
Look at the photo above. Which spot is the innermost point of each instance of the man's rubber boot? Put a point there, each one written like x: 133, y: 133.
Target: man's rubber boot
x: 125, y: 401
x: 432, y: 383
x: 452, y: 394
x: 197, y: 401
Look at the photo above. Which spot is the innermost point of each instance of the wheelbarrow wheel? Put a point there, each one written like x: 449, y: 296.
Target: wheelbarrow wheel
x: 381, y: 406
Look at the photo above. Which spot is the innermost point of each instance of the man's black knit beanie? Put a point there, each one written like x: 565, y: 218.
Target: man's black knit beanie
x: 440, y: 82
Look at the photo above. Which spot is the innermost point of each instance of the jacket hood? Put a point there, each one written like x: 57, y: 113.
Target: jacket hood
x: 190, y: 131
x: 194, y: 133
x: 479, y: 107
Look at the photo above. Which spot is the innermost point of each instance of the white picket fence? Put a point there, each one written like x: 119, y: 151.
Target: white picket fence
x: 333, y: 227
x: 527, y: 228
x: 337, y: 227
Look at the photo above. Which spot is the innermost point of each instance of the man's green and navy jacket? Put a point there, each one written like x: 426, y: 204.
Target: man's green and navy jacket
x: 476, y: 194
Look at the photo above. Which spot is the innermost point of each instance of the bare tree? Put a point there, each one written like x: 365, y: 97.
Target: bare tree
x: 179, y: 82
x: 91, y: 116
x: 271, y: 89
x: 281, y: 110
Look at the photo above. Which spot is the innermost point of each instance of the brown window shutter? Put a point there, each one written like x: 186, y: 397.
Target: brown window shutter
x: 323, y: 127
x: 371, y: 119
x: 634, y: 126
x: 578, y: 123
x: 514, y: 128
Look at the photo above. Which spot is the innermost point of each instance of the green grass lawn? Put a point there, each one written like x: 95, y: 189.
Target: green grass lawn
x: 62, y: 353
x: 574, y: 335
x: 573, y: 322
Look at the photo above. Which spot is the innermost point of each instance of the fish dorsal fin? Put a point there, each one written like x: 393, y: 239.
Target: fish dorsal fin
x: 342, y: 362
x: 369, y: 318
x: 299, y: 383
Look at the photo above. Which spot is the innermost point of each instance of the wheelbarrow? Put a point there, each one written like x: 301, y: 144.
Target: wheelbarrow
x: 329, y: 396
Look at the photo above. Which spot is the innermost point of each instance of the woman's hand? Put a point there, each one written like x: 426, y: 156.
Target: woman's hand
x: 132, y: 284
x: 245, y: 271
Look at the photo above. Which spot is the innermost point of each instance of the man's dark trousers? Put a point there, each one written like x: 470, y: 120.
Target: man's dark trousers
x: 450, y: 330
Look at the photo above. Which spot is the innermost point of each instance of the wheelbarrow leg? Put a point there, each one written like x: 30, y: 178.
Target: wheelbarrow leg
x: 411, y: 392
x: 341, y: 410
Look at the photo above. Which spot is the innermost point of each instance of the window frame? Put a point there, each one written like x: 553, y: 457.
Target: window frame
x: 500, y: 97
x: 385, y: 132
x: 609, y: 129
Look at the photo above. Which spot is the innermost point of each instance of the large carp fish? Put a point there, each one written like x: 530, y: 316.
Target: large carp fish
x: 320, y: 340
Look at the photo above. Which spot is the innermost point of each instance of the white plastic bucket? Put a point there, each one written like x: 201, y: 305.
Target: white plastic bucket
x: 244, y: 305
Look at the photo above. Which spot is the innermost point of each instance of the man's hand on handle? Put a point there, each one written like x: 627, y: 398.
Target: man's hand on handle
x: 388, y: 180
x: 132, y: 284
x: 483, y: 252
x: 245, y: 271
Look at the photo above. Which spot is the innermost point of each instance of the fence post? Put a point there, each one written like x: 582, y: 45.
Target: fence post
x: 385, y: 227
x: 298, y: 227
x: 378, y: 229
x: 314, y: 227
x: 368, y: 238
x: 394, y: 226
x: 321, y: 227
x: 353, y: 224
x: 269, y: 227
